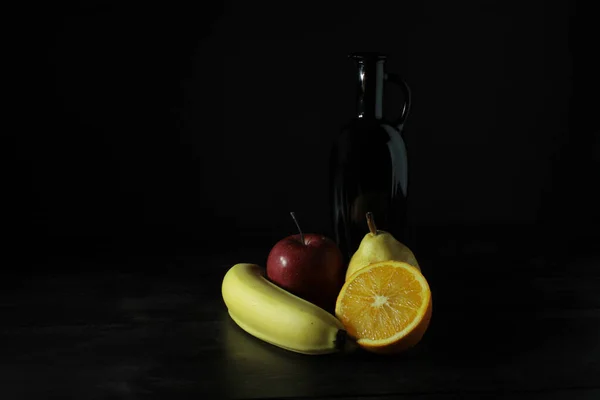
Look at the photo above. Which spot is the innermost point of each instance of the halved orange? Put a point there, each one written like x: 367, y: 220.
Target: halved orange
x: 385, y: 307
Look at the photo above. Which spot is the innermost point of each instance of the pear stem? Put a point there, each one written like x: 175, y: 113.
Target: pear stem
x: 298, y: 226
x: 371, y: 223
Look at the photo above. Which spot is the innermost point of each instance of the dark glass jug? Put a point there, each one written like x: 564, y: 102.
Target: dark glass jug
x: 368, y: 162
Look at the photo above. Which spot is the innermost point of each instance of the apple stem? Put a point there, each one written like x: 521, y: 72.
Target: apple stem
x: 298, y: 226
x: 371, y: 223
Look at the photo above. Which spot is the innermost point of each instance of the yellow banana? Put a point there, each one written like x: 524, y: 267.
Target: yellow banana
x: 276, y: 316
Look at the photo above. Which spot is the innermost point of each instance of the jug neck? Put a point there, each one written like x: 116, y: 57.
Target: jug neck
x: 371, y: 73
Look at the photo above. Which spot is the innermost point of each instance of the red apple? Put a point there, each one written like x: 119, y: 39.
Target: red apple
x: 309, y: 266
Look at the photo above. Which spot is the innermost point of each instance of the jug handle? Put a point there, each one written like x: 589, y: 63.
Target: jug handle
x: 397, y: 79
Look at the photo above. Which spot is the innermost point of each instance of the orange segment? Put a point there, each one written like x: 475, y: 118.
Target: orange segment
x: 385, y: 306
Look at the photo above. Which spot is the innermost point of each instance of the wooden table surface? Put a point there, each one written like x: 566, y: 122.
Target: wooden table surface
x: 156, y: 327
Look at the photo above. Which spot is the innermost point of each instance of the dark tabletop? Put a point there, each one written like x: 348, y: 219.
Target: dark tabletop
x: 154, y: 326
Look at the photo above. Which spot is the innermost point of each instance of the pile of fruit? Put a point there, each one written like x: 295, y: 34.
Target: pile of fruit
x: 307, y: 302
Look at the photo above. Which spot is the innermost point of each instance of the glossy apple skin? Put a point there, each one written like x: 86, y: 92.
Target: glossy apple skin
x: 312, y: 270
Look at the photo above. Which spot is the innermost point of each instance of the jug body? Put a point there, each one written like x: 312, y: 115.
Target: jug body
x: 369, y: 164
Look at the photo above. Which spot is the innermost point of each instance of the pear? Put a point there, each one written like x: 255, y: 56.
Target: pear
x: 378, y: 245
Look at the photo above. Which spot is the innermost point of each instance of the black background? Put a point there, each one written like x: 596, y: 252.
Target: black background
x: 137, y: 128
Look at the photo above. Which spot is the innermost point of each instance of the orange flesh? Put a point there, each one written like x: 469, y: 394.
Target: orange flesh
x: 385, y: 301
